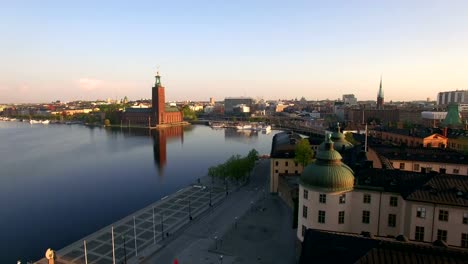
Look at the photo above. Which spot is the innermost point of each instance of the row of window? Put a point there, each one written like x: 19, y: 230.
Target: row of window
x: 286, y: 163
x: 443, y: 215
x: 287, y: 171
x: 341, y: 217
x: 342, y: 198
x: 441, y: 235
x: 417, y: 167
x: 421, y: 212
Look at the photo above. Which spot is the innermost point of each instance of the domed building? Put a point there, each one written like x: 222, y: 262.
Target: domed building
x: 340, y: 142
x: 323, y: 187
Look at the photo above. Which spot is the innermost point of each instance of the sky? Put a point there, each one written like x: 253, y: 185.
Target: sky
x: 88, y: 50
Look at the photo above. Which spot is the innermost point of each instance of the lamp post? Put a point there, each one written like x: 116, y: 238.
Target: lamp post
x: 210, y: 194
x: 125, y: 249
x: 189, y: 211
x: 162, y: 226
x: 226, y: 186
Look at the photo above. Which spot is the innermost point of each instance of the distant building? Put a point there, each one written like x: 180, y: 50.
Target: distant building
x: 427, y: 138
x: 158, y: 114
x: 362, y: 116
x: 231, y: 103
x: 424, y: 159
x: 349, y: 99
x: 212, y: 101
x: 458, y: 96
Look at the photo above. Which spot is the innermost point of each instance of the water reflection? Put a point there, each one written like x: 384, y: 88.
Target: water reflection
x: 244, y: 136
x: 160, y: 138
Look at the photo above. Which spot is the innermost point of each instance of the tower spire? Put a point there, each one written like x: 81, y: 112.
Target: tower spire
x: 158, y: 78
x: 380, y: 95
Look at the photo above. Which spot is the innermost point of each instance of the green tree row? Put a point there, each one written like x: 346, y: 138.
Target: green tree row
x: 236, y: 168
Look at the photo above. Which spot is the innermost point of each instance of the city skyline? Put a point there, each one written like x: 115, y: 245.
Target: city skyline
x: 266, y: 49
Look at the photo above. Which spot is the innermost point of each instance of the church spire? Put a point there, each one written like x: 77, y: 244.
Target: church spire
x: 380, y: 95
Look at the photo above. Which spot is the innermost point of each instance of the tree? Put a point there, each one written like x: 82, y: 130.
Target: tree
x: 303, y: 152
x: 349, y: 137
x: 188, y: 113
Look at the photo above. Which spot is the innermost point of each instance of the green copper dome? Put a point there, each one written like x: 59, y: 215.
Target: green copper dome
x: 328, y: 173
x: 339, y: 140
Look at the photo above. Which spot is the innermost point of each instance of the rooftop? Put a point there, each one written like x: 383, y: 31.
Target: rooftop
x: 333, y: 247
x: 421, y: 154
x: 284, y: 145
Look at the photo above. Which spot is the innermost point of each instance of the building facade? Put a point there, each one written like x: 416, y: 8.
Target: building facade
x: 423, y: 207
x: 458, y: 96
x: 159, y: 114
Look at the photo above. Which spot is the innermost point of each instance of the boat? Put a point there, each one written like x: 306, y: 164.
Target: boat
x: 266, y: 128
x: 45, y: 122
x: 243, y: 127
x: 34, y: 122
x: 217, y: 125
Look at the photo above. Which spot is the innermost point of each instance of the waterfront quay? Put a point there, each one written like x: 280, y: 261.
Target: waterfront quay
x: 139, y: 235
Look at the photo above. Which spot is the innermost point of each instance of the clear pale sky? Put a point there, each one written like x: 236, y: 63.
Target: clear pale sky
x: 85, y: 50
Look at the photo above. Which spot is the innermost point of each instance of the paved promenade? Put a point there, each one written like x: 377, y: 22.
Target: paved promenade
x: 250, y: 226
x: 247, y: 226
x: 153, y: 226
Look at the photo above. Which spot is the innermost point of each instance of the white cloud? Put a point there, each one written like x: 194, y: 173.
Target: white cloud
x: 87, y: 84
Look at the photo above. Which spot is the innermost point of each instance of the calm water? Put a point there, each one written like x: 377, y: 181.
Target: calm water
x: 59, y: 183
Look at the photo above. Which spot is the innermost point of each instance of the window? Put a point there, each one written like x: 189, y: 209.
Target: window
x: 465, y: 218
x: 392, y: 220
x: 321, y: 216
x: 306, y: 194
x: 456, y: 171
x: 365, y: 217
x: 276, y: 171
x: 295, y: 163
x: 304, y: 228
x: 394, y: 201
x: 341, y: 217
x: 367, y: 198
x: 286, y: 172
x: 304, y: 211
x: 419, y: 234
x: 421, y: 212
x: 402, y: 166
x: 442, y: 235
x: 296, y: 172
x: 322, y: 198
x: 443, y: 215
x: 342, y: 198
x: 286, y: 163
x: 416, y: 167
x: 276, y: 163
x: 464, y: 240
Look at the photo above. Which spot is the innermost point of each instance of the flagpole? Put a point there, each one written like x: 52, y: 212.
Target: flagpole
x: 134, y: 234
x: 85, y: 253
x: 154, y: 230
x: 113, y: 246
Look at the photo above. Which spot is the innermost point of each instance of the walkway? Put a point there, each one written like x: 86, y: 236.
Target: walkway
x: 243, y: 227
x: 250, y: 226
x: 150, y: 226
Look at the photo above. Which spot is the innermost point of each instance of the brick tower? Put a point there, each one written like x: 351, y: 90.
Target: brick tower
x: 158, y: 102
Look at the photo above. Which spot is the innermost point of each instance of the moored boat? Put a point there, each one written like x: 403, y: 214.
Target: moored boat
x: 243, y: 127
